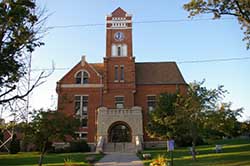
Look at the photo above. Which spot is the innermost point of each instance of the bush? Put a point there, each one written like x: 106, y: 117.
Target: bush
x: 50, y: 148
x: 14, y: 145
x: 79, y: 146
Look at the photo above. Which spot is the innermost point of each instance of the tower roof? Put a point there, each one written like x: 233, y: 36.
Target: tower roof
x: 119, y: 12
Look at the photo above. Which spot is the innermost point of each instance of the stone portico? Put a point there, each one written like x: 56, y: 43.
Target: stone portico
x: 131, y: 117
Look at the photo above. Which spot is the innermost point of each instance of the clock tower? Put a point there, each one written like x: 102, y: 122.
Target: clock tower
x: 119, y: 62
x: 119, y: 34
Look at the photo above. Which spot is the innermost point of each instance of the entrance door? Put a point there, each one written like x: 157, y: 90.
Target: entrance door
x: 119, y: 133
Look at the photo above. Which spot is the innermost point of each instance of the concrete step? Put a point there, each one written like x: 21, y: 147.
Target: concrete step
x: 119, y: 147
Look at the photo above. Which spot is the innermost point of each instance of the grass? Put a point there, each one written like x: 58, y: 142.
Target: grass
x: 31, y: 159
x: 235, y: 153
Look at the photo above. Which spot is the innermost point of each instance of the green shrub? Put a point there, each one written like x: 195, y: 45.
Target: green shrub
x: 79, y: 146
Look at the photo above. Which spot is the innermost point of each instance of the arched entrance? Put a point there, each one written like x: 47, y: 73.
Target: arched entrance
x: 119, y: 132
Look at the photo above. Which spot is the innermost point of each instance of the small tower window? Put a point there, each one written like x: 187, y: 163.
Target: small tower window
x: 122, y: 73
x: 82, y: 77
x: 124, y: 50
x: 119, y: 51
x: 116, y: 73
x: 114, y: 50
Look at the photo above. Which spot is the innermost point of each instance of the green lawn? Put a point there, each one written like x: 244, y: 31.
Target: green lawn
x: 235, y: 153
x: 31, y: 159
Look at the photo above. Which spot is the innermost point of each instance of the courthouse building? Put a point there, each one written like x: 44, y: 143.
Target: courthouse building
x: 112, y: 99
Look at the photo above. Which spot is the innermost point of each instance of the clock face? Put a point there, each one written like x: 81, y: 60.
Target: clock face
x: 119, y: 36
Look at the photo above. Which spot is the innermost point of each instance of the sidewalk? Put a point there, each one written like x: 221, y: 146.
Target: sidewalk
x: 120, y: 159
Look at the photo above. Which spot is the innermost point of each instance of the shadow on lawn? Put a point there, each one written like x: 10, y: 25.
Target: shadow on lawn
x: 49, y: 159
x: 233, y: 154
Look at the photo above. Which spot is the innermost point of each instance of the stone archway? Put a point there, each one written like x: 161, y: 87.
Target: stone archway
x: 119, y: 132
x: 132, y: 118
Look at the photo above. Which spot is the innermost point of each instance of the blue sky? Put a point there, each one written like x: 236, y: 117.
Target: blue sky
x: 172, y: 41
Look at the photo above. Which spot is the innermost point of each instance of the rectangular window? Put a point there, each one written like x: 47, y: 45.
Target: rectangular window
x: 77, y: 105
x: 84, y: 105
x: 119, y: 102
x: 116, y: 73
x: 81, y: 135
x: 122, y: 73
x: 84, y: 121
x: 81, y: 109
x: 151, y: 102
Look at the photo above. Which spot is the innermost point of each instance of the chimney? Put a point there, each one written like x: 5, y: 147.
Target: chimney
x: 83, y: 60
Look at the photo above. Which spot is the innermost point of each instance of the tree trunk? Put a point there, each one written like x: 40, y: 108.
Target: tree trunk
x: 193, y: 151
x: 40, y: 162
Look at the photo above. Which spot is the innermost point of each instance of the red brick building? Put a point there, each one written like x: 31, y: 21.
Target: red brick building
x: 112, y: 99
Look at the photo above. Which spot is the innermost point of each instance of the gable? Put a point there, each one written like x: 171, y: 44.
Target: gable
x: 94, y: 75
x: 119, y: 12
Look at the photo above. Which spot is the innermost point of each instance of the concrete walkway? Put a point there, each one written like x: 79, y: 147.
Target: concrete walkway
x: 120, y: 159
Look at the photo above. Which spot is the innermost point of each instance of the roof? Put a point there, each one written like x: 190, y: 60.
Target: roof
x: 150, y: 72
x: 119, y: 12
x: 158, y: 73
x: 99, y: 67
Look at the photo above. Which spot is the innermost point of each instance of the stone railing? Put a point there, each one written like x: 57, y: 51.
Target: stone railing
x: 115, y: 111
x: 100, y: 143
x: 138, y: 144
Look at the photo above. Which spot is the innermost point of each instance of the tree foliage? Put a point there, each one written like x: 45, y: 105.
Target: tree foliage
x: 21, y: 28
x: 50, y: 126
x: 161, y: 116
x: 223, y: 122
x: 238, y: 8
x: 245, y: 128
x: 196, y: 114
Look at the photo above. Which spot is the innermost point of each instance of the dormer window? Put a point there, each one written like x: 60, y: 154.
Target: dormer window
x: 82, y: 77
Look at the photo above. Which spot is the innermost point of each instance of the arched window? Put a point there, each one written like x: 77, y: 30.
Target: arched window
x: 114, y: 48
x: 124, y: 50
x: 119, y: 51
x: 82, y: 77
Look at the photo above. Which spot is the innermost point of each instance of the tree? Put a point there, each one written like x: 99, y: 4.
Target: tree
x: 21, y: 29
x: 192, y: 115
x: 223, y: 122
x: 245, y: 128
x: 163, y: 121
x: 238, y: 8
x: 193, y: 107
x: 162, y: 115
x: 50, y: 126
